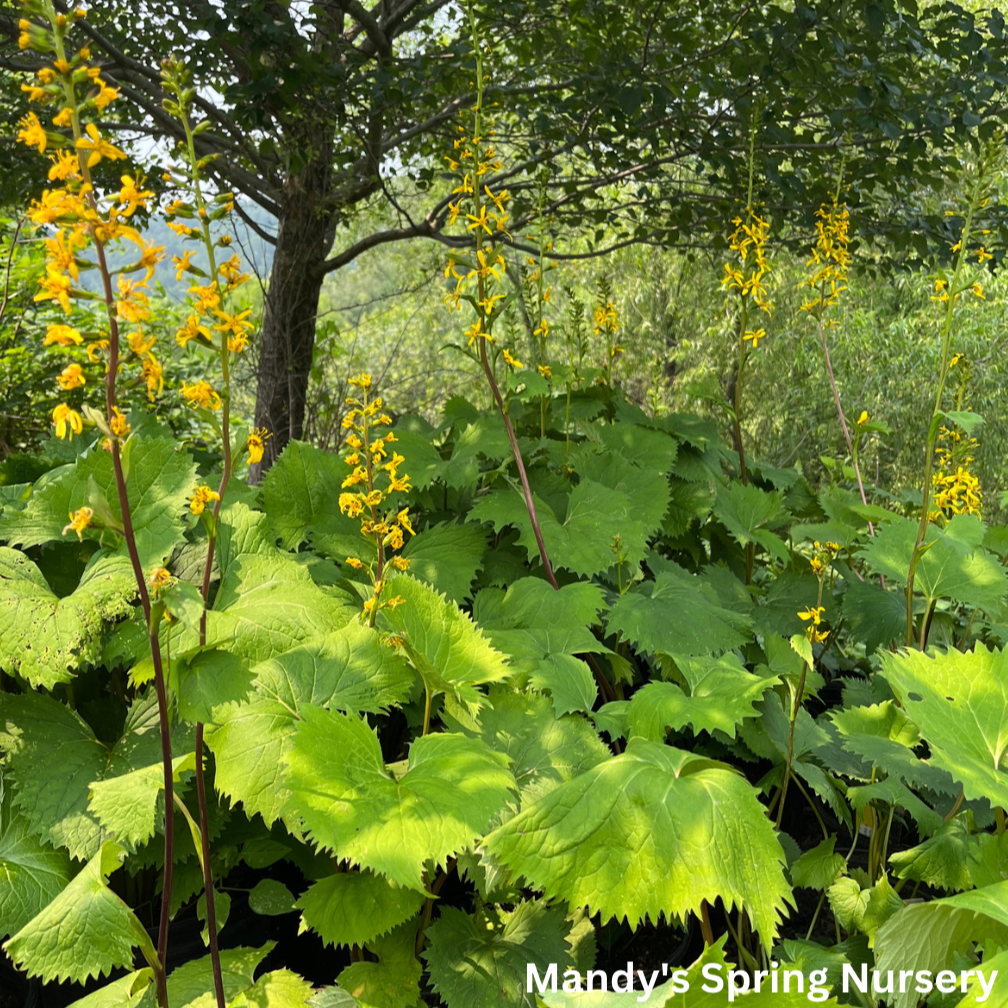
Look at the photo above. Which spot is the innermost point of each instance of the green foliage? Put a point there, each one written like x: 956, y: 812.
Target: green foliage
x: 699, y: 832
x: 85, y: 931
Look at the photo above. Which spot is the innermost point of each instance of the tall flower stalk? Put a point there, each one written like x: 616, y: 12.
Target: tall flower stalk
x: 746, y: 274
x: 947, y: 292
x: 83, y: 221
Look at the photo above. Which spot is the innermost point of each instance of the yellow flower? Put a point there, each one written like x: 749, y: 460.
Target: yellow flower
x: 202, y: 496
x: 79, y: 520
x: 66, y: 165
x: 153, y: 376
x: 362, y: 381
x: 105, y: 96
x: 67, y: 421
x: 813, y: 616
x: 132, y: 305
x: 119, y: 426
x: 201, y: 393
x: 755, y: 335
x: 71, y: 378
x: 545, y: 371
x: 400, y: 563
x: 62, y: 335
x: 256, y: 444
x: 402, y: 518
x: 207, y: 298
x: 182, y: 264
x: 141, y: 344
x: 32, y: 132
x: 132, y: 197
x: 98, y: 147
x: 237, y: 325
x: 983, y: 255
x: 55, y: 287
x: 191, y: 330
x: 863, y: 419
x: 355, y: 563
x: 350, y: 504
x: 160, y: 578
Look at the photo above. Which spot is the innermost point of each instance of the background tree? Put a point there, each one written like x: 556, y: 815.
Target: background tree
x: 643, y: 117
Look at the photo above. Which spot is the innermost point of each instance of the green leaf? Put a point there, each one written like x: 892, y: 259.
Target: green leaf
x: 941, y: 861
x: 353, y: 908
x: 126, y: 992
x: 721, y: 694
x: 487, y: 965
x: 85, y: 931
x: 350, y: 669
x: 222, y: 909
x: 874, y: 616
x: 451, y: 790
x: 193, y: 981
x: 960, y: 704
x: 676, y: 614
x: 643, y: 446
x: 444, y: 644
x: 596, y: 513
x: 819, y: 867
x: 546, y: 750
x: 159, y: 483
x: 885, y: 737
x: 747, y: 512
x: 447, y: 557
x: 207, y: 678
x: 271, y: 898
x: 651, y: 831
x: 926, y: 936
x: 277, y: 989
x: 268, y: 604
x: 31, y: 872
x: 864, y: 910
x: 126, y: 805
x: 45, y: 638
x: 393, y: 981
x: 54, y: 758
x: 968, y: 421
x: 300, y: 496
x: 953, y: 566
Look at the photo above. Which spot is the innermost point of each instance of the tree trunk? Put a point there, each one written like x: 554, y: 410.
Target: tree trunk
x: 304, y: 237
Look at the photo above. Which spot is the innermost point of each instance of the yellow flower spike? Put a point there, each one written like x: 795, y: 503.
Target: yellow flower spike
x: 202, y: 496
x: 71, y: 378
x: 62, y: 335
x: 79, y: 520
x: 201, y: 394
x: 255, y: 445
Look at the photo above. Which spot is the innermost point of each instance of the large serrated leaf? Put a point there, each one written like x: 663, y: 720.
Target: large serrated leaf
x: 54, y: 758
x: 85, y: 931
x: 353, y: 908
x: 159, y: 482
x: 45, y: 638
x: 959, y: 701
x: 300, y: 496
x: 651, y: 831
x: 32, y: 873
x: 677, y: 614
x: 487, y: 966
x: 451, y: 790
x: 391, y: 982
x: 442, y: 641
x: 350, y: 669
x: 546, y: 750
x: 942, y: 861
x: 926, y: 936
x: 447, y: 557
x: 721, y: 694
